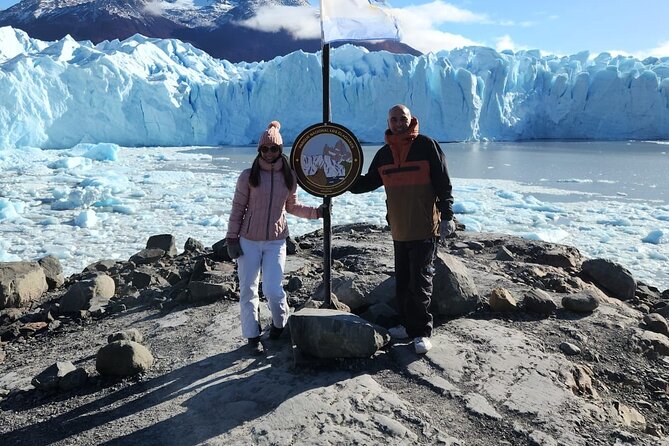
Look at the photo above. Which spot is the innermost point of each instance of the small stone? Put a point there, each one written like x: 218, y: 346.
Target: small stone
x: 580, y: 303
x: 569, y: 349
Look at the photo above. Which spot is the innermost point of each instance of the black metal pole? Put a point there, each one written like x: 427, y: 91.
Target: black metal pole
x: 327, y: 201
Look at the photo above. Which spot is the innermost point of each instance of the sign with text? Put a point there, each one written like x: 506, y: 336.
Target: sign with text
x: 327, y: 159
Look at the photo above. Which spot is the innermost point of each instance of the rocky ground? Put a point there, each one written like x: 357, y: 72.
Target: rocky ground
x: 556, y: 351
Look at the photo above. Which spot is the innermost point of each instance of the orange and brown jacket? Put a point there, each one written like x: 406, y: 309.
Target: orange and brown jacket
x: 412, y: 168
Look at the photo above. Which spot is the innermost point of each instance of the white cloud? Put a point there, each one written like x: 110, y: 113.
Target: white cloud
x: 506, y: 43
x: 302, y: 22
x: 660, y: 51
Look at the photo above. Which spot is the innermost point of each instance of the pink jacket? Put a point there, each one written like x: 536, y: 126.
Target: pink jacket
x: 259, y: 213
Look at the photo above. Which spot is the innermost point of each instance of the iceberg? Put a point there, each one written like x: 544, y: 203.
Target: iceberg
x: 163, y: 92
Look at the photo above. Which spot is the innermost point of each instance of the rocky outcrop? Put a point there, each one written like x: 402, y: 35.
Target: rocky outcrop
x: 567, y: 364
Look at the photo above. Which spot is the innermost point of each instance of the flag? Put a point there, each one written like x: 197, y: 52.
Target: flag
x: 357, y: 20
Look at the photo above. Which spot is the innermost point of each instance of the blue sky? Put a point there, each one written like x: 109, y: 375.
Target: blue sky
x: 563, y: 28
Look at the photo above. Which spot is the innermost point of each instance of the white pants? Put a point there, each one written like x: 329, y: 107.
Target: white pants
x: 270, y: 258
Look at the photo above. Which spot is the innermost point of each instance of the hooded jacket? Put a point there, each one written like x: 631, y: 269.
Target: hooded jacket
x: 259, y: 213
x: 412, y: 168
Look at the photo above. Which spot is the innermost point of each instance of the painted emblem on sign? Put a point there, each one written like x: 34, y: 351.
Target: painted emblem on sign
x: 327, y: 159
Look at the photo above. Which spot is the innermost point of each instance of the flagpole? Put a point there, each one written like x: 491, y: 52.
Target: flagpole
x: 327, y: 201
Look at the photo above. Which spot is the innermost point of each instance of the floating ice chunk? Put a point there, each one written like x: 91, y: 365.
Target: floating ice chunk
x: 465, y: 207
x: 68, y: 163
x: 509, y: 195
x: 103, y: 152
x: 547, y: 235
x: 7, y: 257
x: 10, y: 210
x: 616, y: 222
x: 124, y: 209
x: 471, y: 224
x: 86, y: 219
x: 655, y: 237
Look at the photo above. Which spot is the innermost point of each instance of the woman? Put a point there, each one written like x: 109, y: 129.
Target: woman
x: 257, y: 233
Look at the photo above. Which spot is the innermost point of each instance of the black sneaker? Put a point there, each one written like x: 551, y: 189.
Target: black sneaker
x: 274, y: 332
x: 255, y: 346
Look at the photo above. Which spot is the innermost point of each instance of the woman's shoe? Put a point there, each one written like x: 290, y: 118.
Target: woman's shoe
x: 275, y: 332
x: 255, y: 346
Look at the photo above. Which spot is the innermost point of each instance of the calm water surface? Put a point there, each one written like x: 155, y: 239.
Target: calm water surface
x: 629, y: 170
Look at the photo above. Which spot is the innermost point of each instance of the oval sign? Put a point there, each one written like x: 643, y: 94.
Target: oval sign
x: 327, y: 159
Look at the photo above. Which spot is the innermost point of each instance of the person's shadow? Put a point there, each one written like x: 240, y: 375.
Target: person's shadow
x: 219, y: 393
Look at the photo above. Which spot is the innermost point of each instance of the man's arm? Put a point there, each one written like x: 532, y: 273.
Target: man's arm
x: 441, y: 182
x: 370, y: 181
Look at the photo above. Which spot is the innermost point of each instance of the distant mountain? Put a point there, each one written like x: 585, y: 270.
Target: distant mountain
x: 211, y: 25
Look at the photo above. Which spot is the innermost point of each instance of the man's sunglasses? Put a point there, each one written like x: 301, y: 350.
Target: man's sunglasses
x: 273, y: 149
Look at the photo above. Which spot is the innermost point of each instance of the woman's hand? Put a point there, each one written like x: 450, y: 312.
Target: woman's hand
x: 234, y: 249
x: 320, y: 212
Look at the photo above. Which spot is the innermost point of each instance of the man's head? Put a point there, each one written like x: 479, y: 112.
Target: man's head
x: 399, y: 118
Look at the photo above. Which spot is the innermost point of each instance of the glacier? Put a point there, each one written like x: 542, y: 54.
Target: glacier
x: 162, y: 92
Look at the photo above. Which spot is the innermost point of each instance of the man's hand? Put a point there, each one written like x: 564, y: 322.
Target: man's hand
x: 446, y: 228
x: 234, y: 249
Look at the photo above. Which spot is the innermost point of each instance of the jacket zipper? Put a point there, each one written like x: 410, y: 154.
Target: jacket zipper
x: 271, y: 196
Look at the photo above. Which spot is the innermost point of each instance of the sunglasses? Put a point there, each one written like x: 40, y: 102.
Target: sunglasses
x: 273, y: 149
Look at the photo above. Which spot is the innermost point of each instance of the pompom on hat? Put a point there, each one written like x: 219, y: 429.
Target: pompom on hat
x: 271, y: 136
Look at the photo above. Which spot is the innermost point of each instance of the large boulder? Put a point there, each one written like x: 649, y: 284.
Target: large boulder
x: 53, y: 271
x: 91, y: 294
x: 123, y: 358
x: 455, y: 292
x: 611, y: 277
x: 21, y: 283
x: 357, y: 291
x: 323, y: 333
x: 166, y: 242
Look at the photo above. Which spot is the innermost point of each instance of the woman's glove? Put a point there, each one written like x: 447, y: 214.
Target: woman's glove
x: 446, y: 229
x: 234, y: 249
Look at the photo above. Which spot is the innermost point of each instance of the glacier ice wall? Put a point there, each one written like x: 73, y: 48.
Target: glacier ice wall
x: 147, y: 92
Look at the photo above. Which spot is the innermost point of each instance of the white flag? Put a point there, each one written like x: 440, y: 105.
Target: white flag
x: 357, y: 20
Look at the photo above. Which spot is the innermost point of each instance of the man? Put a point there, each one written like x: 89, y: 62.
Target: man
x: 412, y: 167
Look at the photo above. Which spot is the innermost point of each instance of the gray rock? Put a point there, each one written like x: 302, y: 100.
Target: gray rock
x: 208, y: 292
x: 454, y: 292
x: 502, y: 300
x: 92, y: 294
x: 503, y: 254
x: 53, y: 271
x: 381, y: 314
x: 123, y: 358
x: 3, y: 356
x: 560, y: 258
x: 583, y: 302
x: 294, y: 284
x: 49, y: 378
x: 148, y: 256
x: 656, y: 323
x: 73, y: 380
x: 131, y: 334
x: 539, y: 301
x: 102, y: 265
x: 353, y: 290
x: 611, y: 277
x: 478, y: 405
x: 335, y: 334
x: 193, y: 245
x: 166, y: 242
x: 21, y: 283
x: 569, y: 349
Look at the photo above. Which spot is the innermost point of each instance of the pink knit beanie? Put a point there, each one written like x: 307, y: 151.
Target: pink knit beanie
x: 271, y: 136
